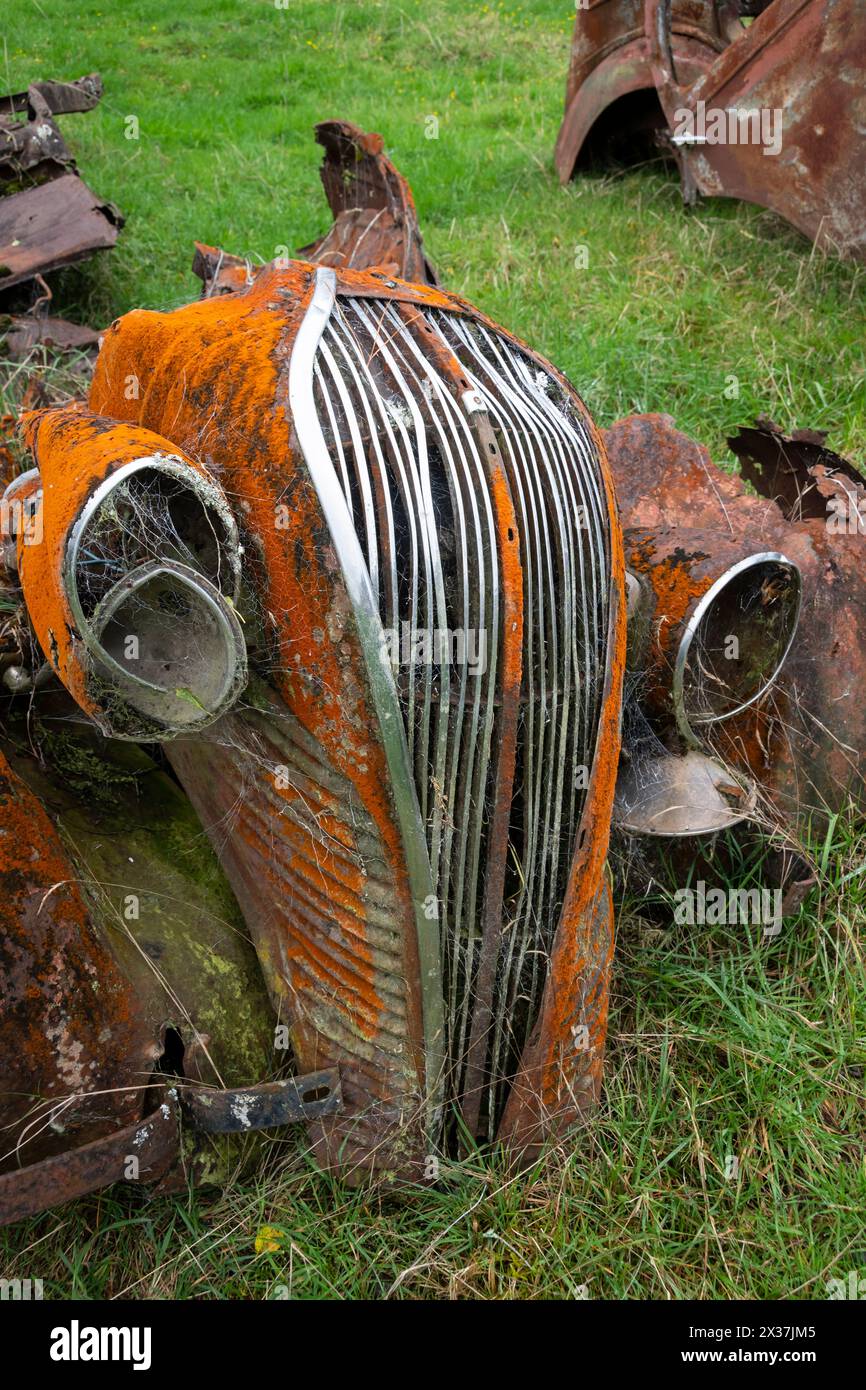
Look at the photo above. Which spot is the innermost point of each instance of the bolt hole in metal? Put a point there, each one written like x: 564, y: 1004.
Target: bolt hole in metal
x: 316, y: 1094
x: 736, y: 640
x: 170, y: 1063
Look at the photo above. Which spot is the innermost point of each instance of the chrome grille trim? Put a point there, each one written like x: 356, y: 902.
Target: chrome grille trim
x: 407, y: 463
x: 365, y: 605
x: 552, y: 471
x: 464, y: 732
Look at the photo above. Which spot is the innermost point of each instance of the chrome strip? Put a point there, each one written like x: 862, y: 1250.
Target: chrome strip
x: 422, y: 446
x: 468, y: 782
x: 338, y: 443
x: 533, y: 517
x: 360, y: 464
x: 434, y: 767
x: 386, y: 703
x: 553, y: 469
x: 381, y: 494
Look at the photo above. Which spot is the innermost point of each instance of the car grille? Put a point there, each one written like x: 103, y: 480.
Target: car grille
x: 401, y: 396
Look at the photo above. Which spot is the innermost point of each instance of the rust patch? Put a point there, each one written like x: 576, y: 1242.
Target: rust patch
x: 806, y: 740
x: 71, y: 1030
x: 769, y: 112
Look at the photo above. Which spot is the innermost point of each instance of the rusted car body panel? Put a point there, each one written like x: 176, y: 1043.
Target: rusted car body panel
x: 371, y: 996
x: 805, y: 742
x: 801, y: 64
x: 804, y: 60
x: 127, y: 969
x: 63, y: 989
x: 417, y: 848
x: 152, y: 1141
x: 611, y: 61
x: 51, y: 226
x: 375, y: 222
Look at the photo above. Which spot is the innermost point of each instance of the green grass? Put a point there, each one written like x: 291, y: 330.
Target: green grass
x: 720, y: 1044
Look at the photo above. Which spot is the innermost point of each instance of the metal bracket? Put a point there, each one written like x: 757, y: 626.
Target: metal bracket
x: 262, y: 1107
x: 155, y: 1140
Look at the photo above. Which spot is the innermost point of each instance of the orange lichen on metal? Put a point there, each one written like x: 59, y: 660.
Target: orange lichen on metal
x: 214, y: 376
x: 75, y: 451
x: 69, y: 1023
x: 675, y: 585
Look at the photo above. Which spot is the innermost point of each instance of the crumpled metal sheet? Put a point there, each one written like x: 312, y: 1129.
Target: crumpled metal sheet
x: 796, y: 470
x: 36, y: 147
x: 805, y: 741
x: 375, y: 222
x: 48, y: 217
x: 53, y: 225
x: 54, y: 98
x: 27, y: 331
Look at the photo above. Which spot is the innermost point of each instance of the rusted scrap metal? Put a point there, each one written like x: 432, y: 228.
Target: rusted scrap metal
x: 379, y: 825
x: 71, y: 1027
x: 151, y: 1150
x: 102, y: 1008
x: 48, y: 216
x: 52, y: 225
x: 610, y: 102
x: 143, y: 1151
x: 375, y: 222
x: 220, y: 272
x: 771, y: 113
x: 799, y: 472
x: 21, y: 333
x: 330, y: 859
x: 54, y: 98
x: 804, y: 740
x: 268, y: 1106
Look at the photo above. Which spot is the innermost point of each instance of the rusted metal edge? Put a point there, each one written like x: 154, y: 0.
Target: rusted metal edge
x: 52, y: 225
x: 55, y: 98
x: 263, y: 1107
x: 153, y: 1143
